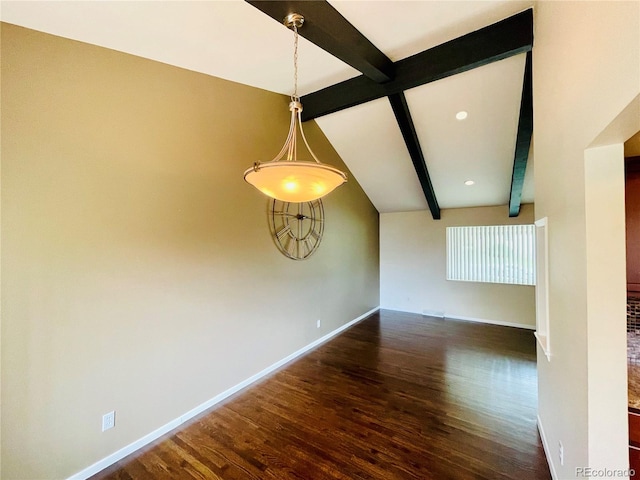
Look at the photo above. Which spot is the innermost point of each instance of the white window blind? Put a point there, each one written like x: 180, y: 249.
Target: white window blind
x: 494, y: 254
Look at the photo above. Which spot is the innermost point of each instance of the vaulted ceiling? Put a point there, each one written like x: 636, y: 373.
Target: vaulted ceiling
x: 388, y: 106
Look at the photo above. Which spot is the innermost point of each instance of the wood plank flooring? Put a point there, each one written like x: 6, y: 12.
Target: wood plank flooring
x: 397, y: 396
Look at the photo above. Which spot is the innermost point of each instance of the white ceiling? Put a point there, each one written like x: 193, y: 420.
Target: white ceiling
x: 233, y: 40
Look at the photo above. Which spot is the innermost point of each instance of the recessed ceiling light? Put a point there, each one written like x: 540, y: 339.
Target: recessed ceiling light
x: 469, y: 182
x: 461, y: 115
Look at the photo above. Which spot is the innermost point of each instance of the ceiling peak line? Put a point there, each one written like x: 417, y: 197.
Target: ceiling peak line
x: 329, y: 30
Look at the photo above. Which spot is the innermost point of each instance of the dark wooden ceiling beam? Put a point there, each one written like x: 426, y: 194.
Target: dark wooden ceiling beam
x: 523, y: 140
x: 405, y: 122
x: 501, y: 40
x: 324, y: 26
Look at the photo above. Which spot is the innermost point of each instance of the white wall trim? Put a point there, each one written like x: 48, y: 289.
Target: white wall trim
x: 445, y: 316
x: 491, y: 322
x: 547, y: 452
x: 138, y: 444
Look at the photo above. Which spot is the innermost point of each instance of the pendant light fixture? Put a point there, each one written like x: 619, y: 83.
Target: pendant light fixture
x: 285, y: 178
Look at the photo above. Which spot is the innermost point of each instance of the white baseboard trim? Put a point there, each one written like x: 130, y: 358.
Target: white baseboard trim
x: 445, y: 316
x: 150, y: 437
x: 491, y: 322
x: 123, y: 452
x: 547, y: 452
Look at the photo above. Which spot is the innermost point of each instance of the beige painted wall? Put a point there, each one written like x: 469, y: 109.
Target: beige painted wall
x: 413, y: 268
x: 586, y: 67
x: 138, y: 271
x: 606, y: 304
x: 632, y: 146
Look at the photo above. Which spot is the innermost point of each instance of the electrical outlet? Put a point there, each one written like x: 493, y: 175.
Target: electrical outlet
x: 561, y: 453
x: 318, y: 324
x: 108, y: 420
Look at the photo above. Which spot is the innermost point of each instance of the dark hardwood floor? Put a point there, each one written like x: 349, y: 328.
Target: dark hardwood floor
x: 397, y: 396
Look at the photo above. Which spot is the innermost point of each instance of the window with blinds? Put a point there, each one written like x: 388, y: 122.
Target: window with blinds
x: 493, y: 254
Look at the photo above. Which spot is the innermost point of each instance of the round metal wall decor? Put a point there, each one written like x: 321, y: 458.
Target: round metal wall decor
x: 296, y: 228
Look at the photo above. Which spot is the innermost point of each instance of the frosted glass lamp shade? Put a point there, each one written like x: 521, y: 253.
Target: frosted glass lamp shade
x: 294, y: 181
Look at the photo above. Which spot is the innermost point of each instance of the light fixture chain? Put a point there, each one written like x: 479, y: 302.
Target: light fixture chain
x: 295, y: 63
